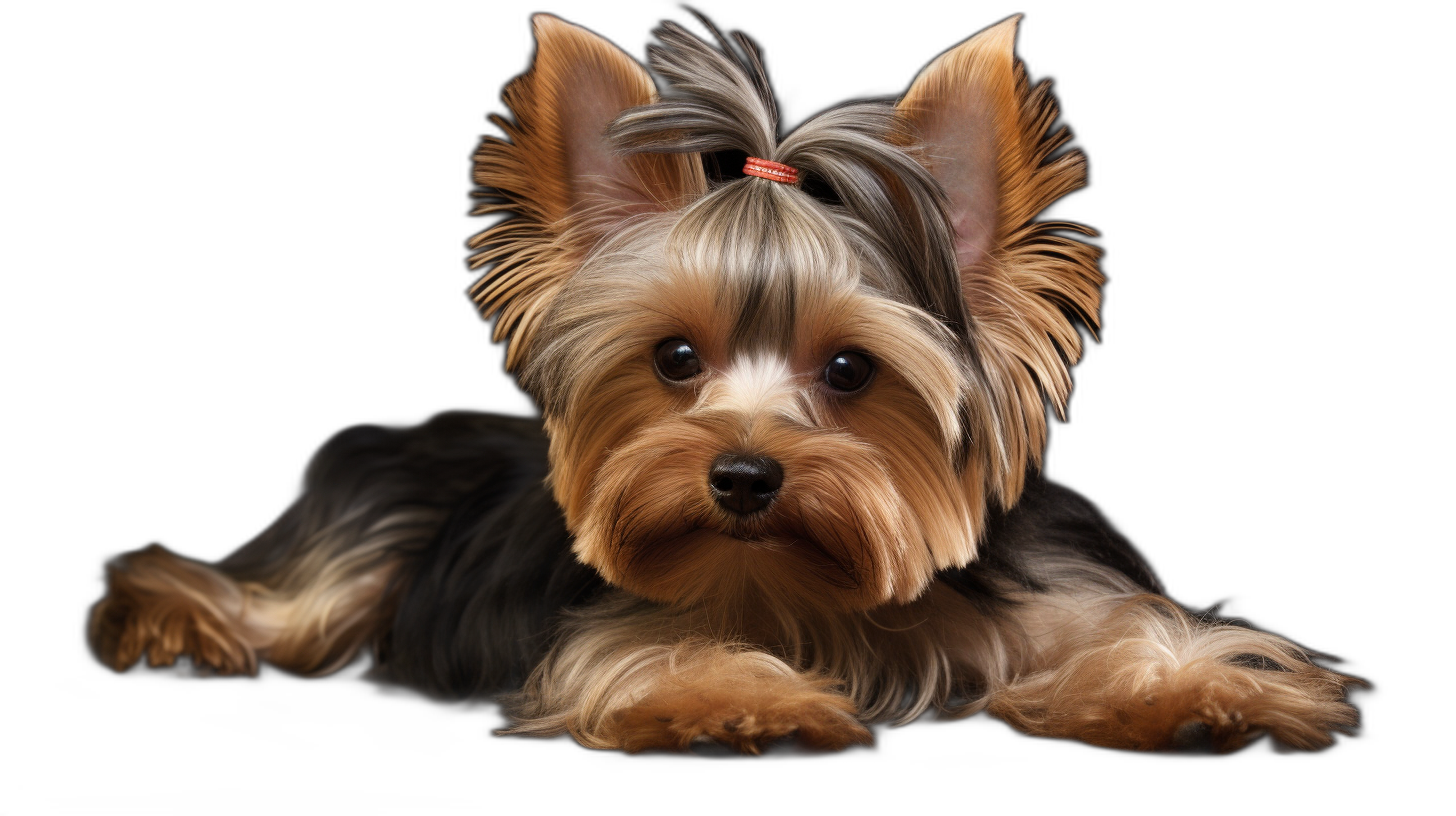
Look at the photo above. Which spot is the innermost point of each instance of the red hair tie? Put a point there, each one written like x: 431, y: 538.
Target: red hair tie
x: 773, y: 171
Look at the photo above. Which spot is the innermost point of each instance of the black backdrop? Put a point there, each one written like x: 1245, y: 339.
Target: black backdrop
x: 265, y: 244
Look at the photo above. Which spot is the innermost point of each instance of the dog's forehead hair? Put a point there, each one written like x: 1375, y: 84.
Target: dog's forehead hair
x: 772, y: 261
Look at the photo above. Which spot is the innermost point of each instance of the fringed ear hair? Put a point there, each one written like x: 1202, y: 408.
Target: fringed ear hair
x: 982, y: 131
x: 558, y: 176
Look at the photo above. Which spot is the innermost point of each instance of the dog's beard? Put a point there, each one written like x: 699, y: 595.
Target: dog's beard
x: 838, y: 534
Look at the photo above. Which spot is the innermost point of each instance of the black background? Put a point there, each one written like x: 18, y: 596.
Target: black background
x: 264, y: 244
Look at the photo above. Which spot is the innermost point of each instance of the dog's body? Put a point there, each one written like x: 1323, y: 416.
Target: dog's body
x: 787, y: 480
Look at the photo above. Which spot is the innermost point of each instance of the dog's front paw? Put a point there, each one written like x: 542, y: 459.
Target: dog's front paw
x: 1215, y: 724
x: 746, y: 720
x: 1302, y: 707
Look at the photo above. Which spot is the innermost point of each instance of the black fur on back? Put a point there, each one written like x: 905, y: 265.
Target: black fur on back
x: 477, y: 614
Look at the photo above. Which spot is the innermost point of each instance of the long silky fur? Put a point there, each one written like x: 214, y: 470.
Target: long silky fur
x: 578, y: 567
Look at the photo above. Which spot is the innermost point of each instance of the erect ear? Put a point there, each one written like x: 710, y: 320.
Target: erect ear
x: 983, y: 133
x: 558, y: 175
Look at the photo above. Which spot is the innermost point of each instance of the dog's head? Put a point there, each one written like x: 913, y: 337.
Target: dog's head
x: 815, y: 389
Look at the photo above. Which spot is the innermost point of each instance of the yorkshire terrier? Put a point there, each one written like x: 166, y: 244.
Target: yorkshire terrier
x: 786, y: 481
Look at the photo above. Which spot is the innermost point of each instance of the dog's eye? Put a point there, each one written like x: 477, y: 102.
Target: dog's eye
x: 848, y: 371
x: 676, y: 359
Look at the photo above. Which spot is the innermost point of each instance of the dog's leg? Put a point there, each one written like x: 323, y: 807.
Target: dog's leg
x: 319, y: 584
x: 1098, y: 660
x: 1137, y: 671
x: 634, y: 679
x: 305, y: 595
x: 1072, y: 636
x: 310, y: 617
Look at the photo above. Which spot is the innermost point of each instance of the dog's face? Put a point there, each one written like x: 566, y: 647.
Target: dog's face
x: 757, y: 388
x: 742, y: 408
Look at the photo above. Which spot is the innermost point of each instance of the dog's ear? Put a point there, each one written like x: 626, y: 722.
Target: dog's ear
x: 555, y: 172
x: 983, y: 132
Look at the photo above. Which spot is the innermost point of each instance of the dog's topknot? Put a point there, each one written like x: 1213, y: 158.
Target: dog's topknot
x: 719, y: 99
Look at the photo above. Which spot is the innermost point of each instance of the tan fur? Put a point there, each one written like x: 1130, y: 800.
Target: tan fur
x: 161, y: 606
x: 866, y: 516
x: 738, y: 699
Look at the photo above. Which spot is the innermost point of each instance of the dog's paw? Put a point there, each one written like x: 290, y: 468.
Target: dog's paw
x: 746, y: 720
x: 124, y: 628
x: 1303, y: 708
x: 142, y: 616
x: 1209, y: 723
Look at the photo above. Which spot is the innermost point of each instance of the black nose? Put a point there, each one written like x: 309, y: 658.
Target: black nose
x: 745, y: 484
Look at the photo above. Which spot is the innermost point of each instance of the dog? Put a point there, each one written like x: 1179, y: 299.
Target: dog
x: 794, y: 396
